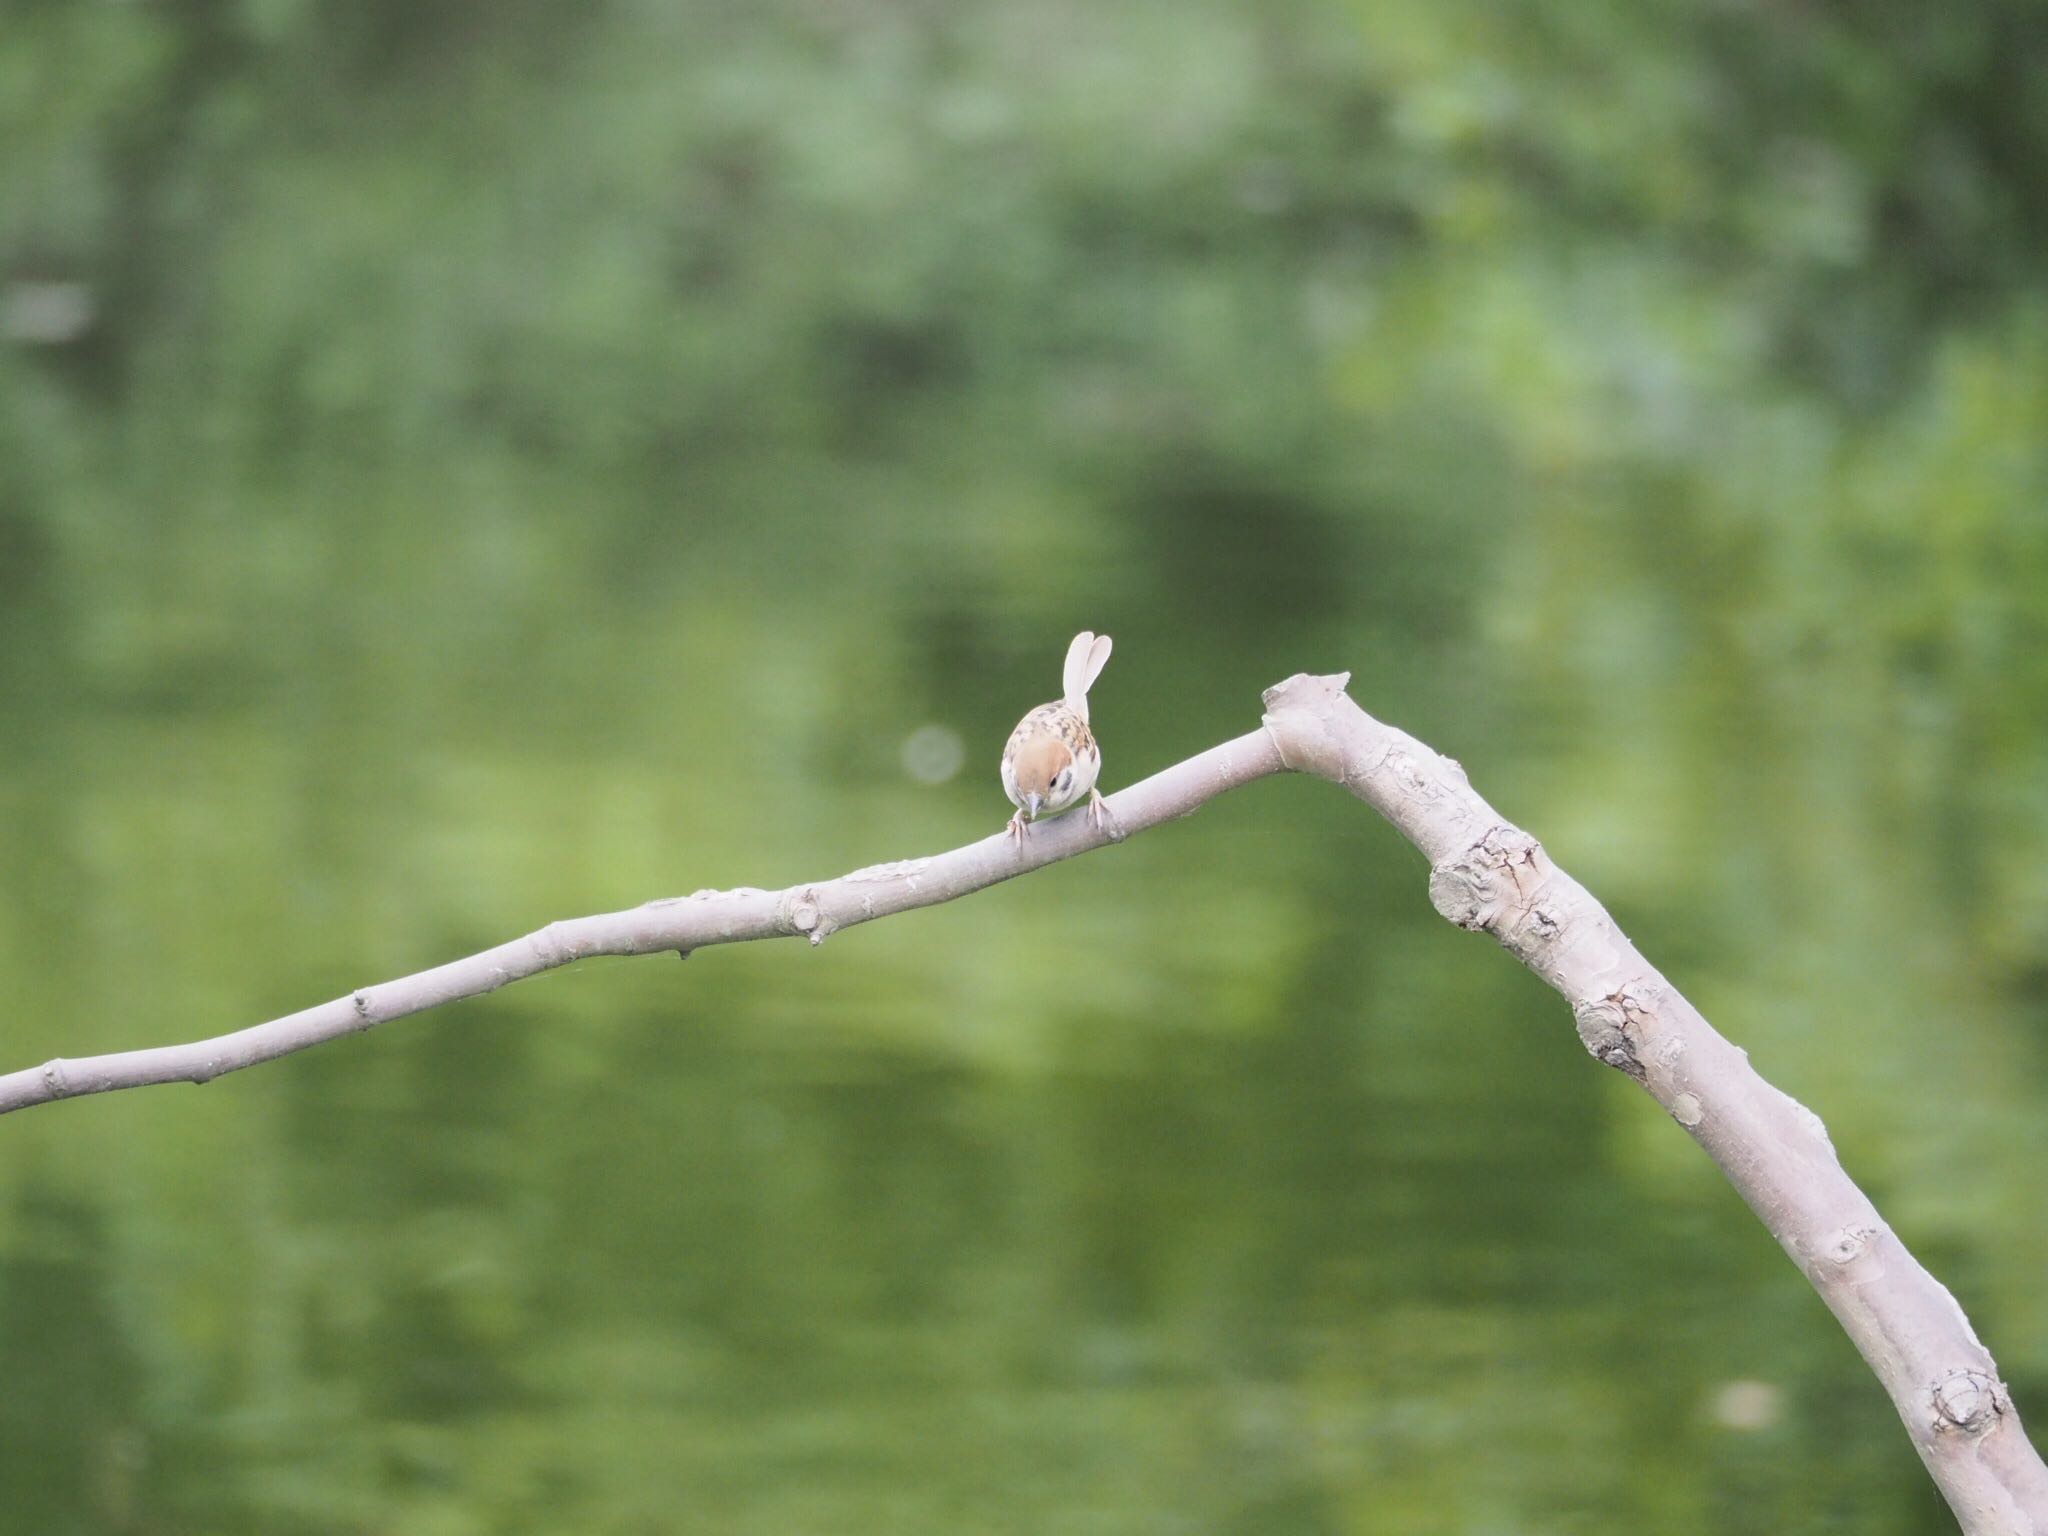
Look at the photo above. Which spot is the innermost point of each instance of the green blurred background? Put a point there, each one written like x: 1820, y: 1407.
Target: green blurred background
x: 464, y: 464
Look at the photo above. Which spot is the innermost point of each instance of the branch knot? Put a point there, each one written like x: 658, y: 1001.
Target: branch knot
x: 803, y: 913
x: 1300, y: 717
x: 1612, y: 1029
x: 1488, y: 886
x: 1969, y: 1401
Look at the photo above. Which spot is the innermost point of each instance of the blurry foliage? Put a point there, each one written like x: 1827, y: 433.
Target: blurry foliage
x: 467, y: 463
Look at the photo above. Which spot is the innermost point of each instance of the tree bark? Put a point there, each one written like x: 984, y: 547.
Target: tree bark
x: 1486, y: 874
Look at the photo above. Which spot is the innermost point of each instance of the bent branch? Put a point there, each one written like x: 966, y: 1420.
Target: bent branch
x: 1487, y: 875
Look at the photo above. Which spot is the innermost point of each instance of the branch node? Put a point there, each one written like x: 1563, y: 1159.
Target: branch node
x: 1969, y: 1401
x: 549, y: 944
x: 1300, y: 717
x: 801, y: 913
x: 1850, y: 1242
x: 1612, y: 1029
x: 54, y: 1078
x: 361, y: 999
x: 1493, y: 882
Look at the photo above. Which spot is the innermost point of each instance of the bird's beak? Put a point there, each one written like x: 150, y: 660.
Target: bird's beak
x: 1031, y: 804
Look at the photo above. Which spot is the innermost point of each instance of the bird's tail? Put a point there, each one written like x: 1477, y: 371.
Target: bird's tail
x: 1086, y: 658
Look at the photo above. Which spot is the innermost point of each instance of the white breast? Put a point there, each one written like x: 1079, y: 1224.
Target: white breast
x: 1087, y: 766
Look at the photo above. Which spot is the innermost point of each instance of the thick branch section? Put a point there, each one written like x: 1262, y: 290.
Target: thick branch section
x: 1486, y: 874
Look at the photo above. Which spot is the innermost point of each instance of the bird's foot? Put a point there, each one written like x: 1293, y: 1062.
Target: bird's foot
x: 1103, y: 819
x: 1015, y: 832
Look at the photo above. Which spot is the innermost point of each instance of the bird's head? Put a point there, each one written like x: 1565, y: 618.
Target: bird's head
x: 1045, y: 775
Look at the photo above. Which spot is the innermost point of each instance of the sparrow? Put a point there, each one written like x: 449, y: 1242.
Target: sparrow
x: 1052, y: 760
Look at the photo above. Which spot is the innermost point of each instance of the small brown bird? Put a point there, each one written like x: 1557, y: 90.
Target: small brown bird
x: 1052, y: 760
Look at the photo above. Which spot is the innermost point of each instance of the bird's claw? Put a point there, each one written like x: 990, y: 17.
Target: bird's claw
x: 1015, y: 832
x: 1102, y: 818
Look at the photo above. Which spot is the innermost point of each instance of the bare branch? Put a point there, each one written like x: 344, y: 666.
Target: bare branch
x: 1487, y: 875
x: 815, y: 911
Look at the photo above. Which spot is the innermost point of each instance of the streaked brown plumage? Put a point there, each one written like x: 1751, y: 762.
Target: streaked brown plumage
x: 1052, y: 760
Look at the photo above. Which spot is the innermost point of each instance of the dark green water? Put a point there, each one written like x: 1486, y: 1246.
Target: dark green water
x: 515, y: 466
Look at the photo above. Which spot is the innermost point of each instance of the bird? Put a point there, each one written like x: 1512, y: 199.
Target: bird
x: 1052, y: 760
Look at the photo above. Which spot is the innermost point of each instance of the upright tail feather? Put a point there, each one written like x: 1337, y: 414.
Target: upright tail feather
x: 1086, y: 658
